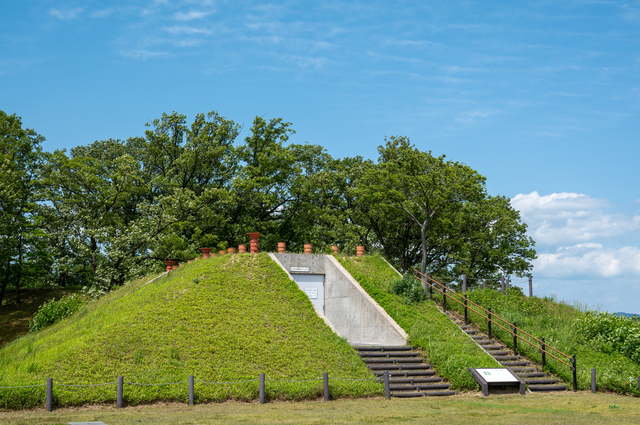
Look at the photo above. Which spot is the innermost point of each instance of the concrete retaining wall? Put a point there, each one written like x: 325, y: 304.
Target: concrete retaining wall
x: 351, y: 312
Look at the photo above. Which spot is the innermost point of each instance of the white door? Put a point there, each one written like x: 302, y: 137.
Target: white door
x: 313, y: 286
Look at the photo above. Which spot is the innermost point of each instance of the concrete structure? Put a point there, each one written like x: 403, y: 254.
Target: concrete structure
x: 344, y: 306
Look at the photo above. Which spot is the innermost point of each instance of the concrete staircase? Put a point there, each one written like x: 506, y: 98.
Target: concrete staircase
x: 409, y: 375
x: 530, y: 372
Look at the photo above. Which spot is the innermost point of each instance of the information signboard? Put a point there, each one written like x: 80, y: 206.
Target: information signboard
x: 488, y: 377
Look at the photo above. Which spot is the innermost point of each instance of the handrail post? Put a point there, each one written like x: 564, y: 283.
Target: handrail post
x: 444, y: 298
x: 430, y: 290
x: 262, y: 397
x: 575, y: 372
x: 465, y: 309
x: 325, y: 379
x: 387, y: 389
x: 502, y: 284
x: 464, y: 283
x: 593, y: 379
x: 489, y: 321
x: 544, y: 353
x: 530, y: 286
x: 191, y: 390
x: 120, y: 392
x: 515, y: 339
x: 49, y: 401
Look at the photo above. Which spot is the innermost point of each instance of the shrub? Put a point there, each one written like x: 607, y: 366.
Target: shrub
x: 52, y: 311
x: 609, y: 333
x: 409, y: 288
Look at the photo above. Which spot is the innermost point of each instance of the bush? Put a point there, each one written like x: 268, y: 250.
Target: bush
x: 52, y: 311
x: 409, y: 288
x: 610, y: 333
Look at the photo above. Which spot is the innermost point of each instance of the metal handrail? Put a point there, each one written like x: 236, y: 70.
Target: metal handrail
x: 479, y: 306
x: 513, y: 332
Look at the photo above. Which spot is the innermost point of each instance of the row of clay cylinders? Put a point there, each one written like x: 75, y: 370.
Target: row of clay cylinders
x: 308, y: 248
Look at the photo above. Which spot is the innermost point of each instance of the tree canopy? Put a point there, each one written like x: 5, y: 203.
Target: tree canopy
x: 113, y: 210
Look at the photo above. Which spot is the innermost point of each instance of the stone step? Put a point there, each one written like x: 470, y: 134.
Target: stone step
x: 400, y: 367
x: 477, y: 337
x: 493, y: 347
x: 519, y: 370
x: 516, y: 363
x: 526, y: 375
x: 383, y: 348
x: 406, y: 374
x: 390, y: 354
x: 498, y: 353
x: 485, y: 341
x: 545, y: 388
x: 549, y: 381
x: 426, y: 394
x: 414, y: 360
x: 506, y: 358
x: 471, y: 332
x: 412, y: 381
x: 426, y: 387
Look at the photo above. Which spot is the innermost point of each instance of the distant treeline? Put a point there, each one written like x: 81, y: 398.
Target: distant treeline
x: 112, y: 210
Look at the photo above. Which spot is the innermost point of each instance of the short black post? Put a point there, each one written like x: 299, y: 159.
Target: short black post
x: 575, y: 373
x: 489, y: 321
x: 262, y: 388
x: 544, y: 352
x: 49, y: 402
x: 325, y: 378
x: 502, y: 284
x: 464, y: 283
x: 593, y: 379
x: 465, y: 309
x: 515, y: 339
x: 530, y: 286
x: 387, y: 390
x: 430, y: 290
x: 444, y: 299
x: 191, y: 391
x: 120, y: 393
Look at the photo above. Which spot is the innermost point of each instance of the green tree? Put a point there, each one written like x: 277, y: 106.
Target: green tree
x: 22, y: 254
x: 422, y: 188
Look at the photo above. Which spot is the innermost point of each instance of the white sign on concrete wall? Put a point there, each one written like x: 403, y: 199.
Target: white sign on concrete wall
x: 299, y: 269
x: 312, y: 293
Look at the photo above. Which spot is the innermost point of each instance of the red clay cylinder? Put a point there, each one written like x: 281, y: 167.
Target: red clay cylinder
x: 231, y: 250
x: 359, y: 251
x: 308, y: 248
x: 242, y: 248
x: 205, y: 252
x: 222, y: 252
x: 282, y: 247
x: 254, y: 242
x: 174, y: 267
x: 335, y: 249
x: 169, y: 265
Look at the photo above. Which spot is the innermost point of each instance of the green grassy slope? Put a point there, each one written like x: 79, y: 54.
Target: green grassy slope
x: 221, y: 319
x: 448, y: 349
x: 556, y: 321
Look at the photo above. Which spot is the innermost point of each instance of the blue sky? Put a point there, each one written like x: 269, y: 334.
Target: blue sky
x: 543, y: 98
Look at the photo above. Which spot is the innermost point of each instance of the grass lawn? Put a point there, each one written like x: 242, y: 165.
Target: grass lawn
x: 14, y: 318
x: 223, y: 319
x: 564, y: 408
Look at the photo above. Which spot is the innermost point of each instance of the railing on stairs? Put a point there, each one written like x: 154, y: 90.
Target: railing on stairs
x: 493, y: 319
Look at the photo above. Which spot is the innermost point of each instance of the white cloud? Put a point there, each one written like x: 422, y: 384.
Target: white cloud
x: 469, y: 117
x: 191, y: 15
x: 66, y: 14
x: 591, y: 261
x: 141, y: 54
x: 187, y: 30
x: 567, y: 218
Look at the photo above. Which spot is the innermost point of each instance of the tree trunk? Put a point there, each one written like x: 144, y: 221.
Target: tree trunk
x: 423, y: 236
x: 94, y: 264
x: 3, y: 283
x: 19, y: 274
